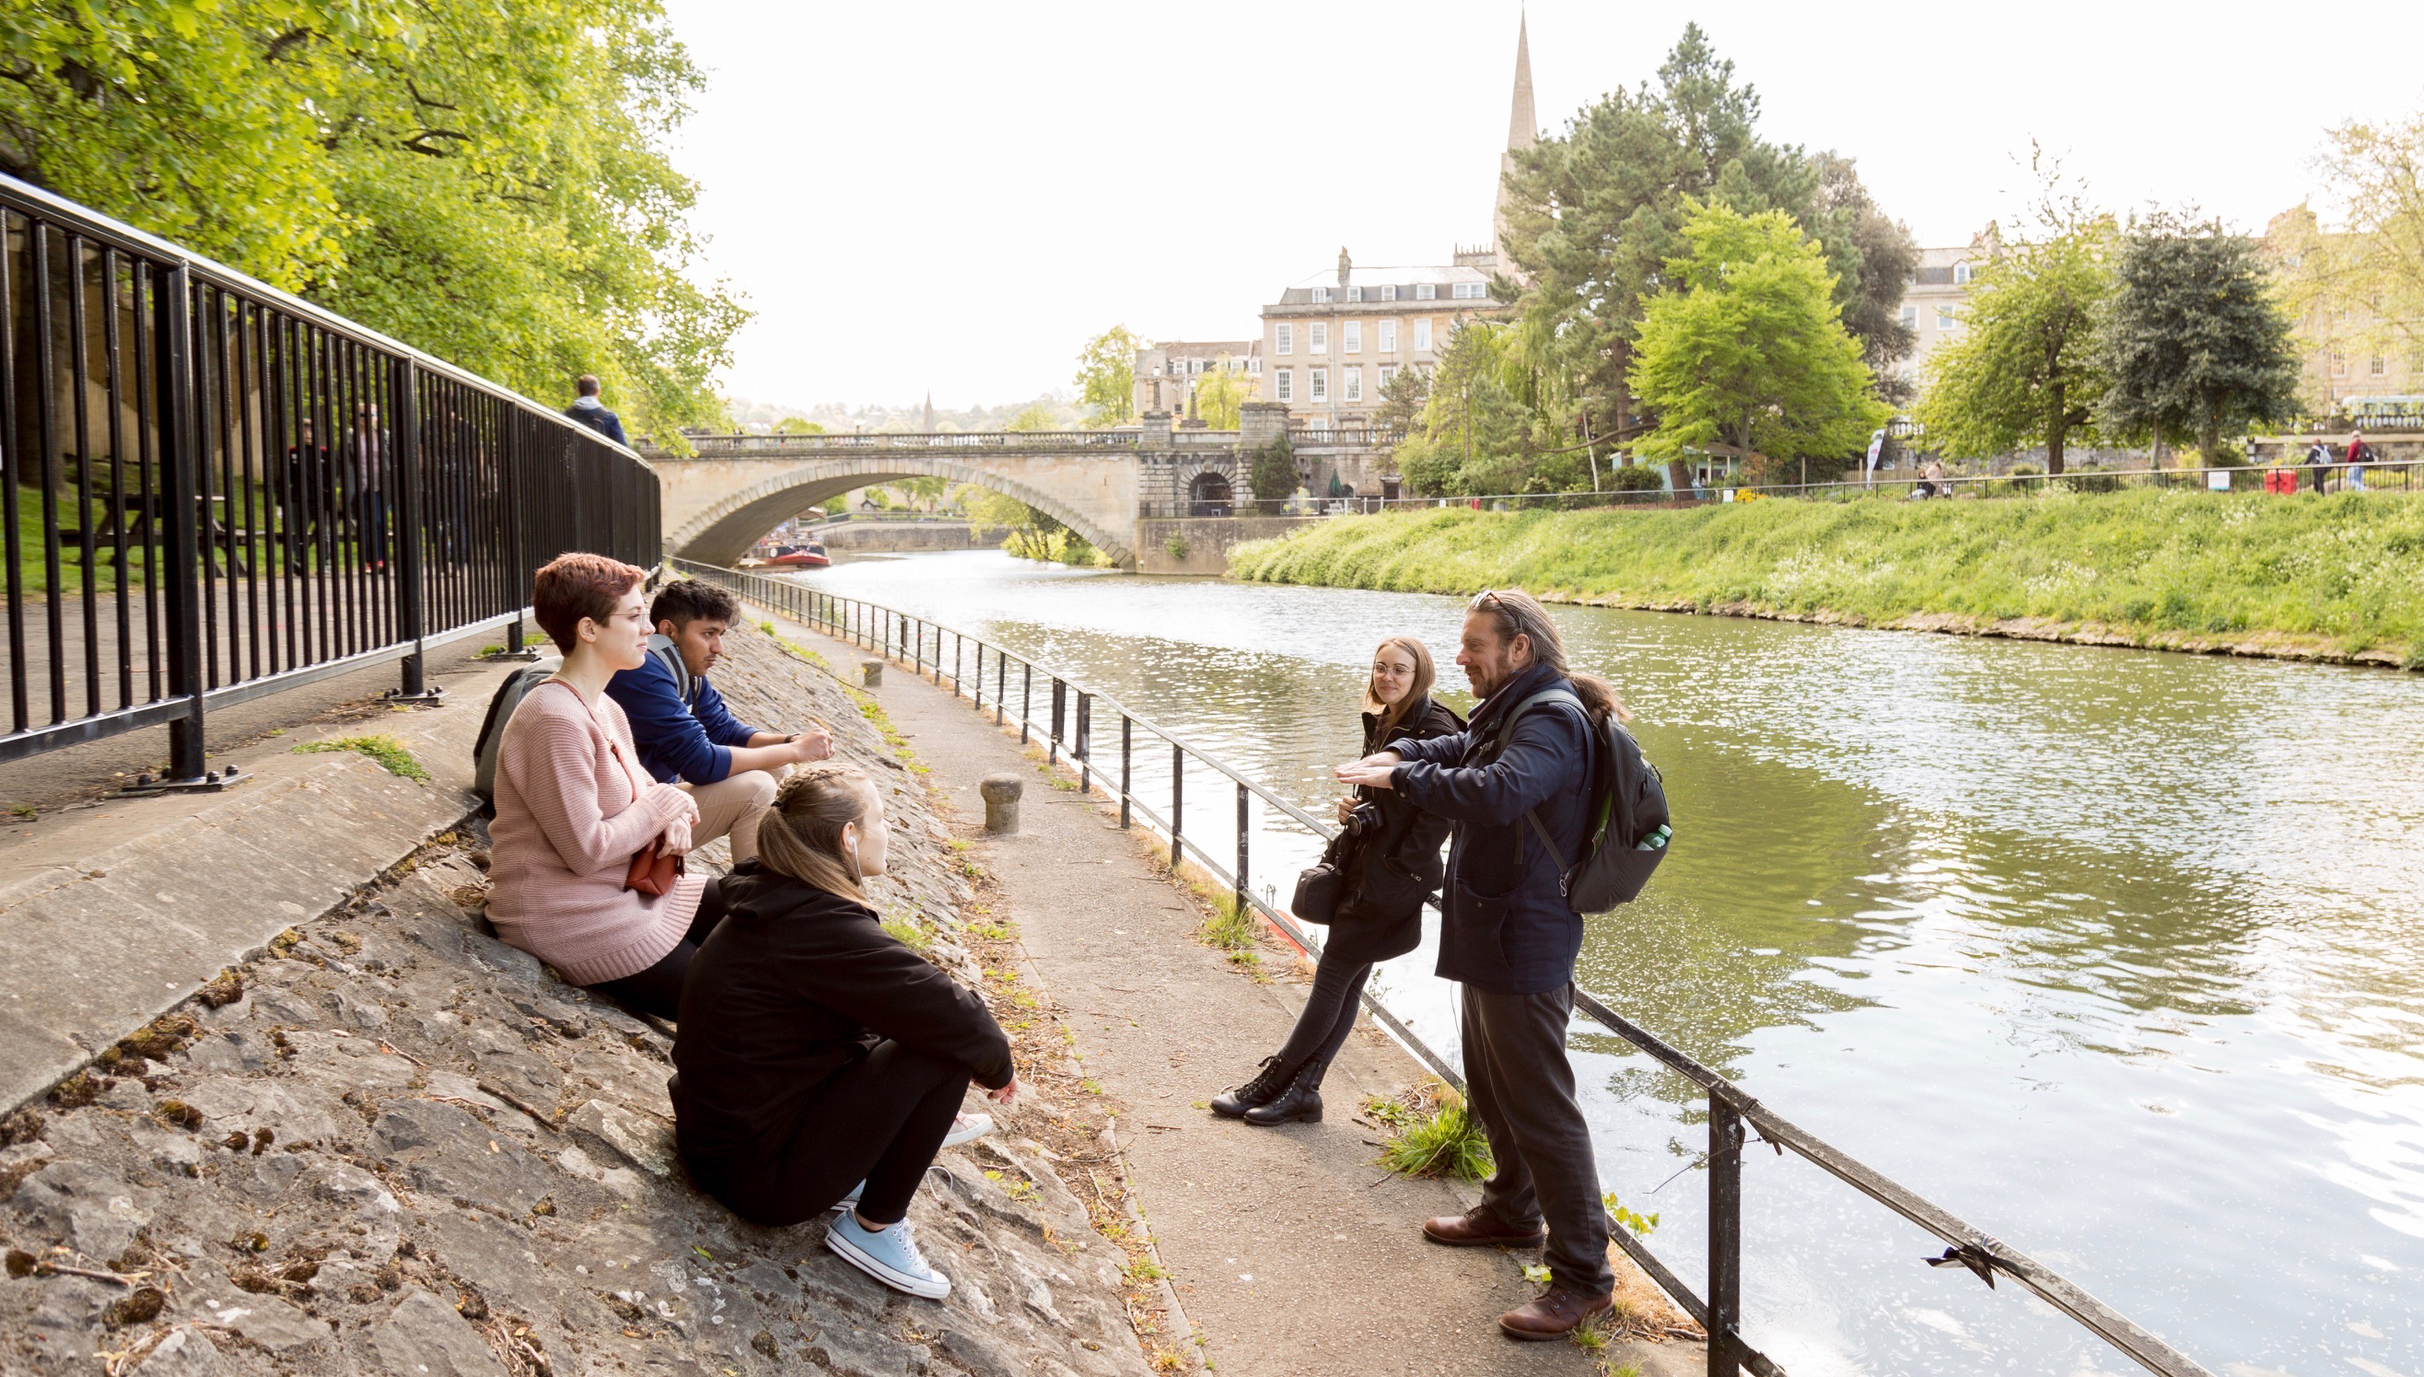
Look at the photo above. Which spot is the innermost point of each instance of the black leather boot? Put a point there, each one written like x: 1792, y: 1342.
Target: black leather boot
x: 1264, y: 1088
x: 1299, y: 1103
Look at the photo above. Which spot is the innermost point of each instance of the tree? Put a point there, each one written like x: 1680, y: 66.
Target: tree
x: 1748, y: 347
x: 1273, y: 474
x: 2194, y: 341
x: 1598, y: 212
x: 1106, y: 377
x: 1034, y: 416
x: 486, y: 182
x: 2364, y: 282
x: 794, y: 425
x: 2026, y: 369
x: 1876, y: 255
x: 1221, y: 395
x: 1402, y: 399
x: 1474, y: 434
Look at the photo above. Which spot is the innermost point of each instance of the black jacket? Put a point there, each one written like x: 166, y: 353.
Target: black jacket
x: 794, y: 985
x: 1389, y: 871
x: 1507, y: 926
x: 598, y: 418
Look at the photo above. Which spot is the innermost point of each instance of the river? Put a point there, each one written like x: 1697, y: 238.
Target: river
x: 2112, y: 953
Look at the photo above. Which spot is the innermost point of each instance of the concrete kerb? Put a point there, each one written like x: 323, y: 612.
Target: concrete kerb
x: 121, y: 911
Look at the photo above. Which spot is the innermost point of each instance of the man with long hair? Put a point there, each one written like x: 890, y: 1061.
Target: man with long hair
x: 1515, y: 784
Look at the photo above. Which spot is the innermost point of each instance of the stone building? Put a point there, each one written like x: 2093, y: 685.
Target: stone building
x: 1931, y: 304
x: 2357, y: 362
x: 1334, y: 339
x: 1166, y: 374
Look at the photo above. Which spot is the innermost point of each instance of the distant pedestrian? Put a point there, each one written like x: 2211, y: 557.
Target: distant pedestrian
x: 363, y: 475
x: 2359, y: 455
x: 2318, y: 458
x: 307, y: 497
x: 591, y: 412
x: 1388, y: 856
x: 1516, y: 784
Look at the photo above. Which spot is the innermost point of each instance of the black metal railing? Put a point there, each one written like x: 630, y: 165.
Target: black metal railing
x: 1068, y: 726
x: 213, y: 491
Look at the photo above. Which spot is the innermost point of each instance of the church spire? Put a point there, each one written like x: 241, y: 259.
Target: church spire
x: 1523, y: 129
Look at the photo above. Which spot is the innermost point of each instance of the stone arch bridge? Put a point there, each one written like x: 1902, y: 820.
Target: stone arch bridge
x: 1100, y: 483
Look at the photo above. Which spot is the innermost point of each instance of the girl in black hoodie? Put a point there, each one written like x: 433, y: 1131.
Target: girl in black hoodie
x: 819, y: 1062
x: 1391, y: 859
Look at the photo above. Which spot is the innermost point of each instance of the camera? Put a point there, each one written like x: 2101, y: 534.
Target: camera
x: 1365, y: 817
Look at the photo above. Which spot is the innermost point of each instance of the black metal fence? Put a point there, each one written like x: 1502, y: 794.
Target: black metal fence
x: 1063, y: 716
x: 215, y: 491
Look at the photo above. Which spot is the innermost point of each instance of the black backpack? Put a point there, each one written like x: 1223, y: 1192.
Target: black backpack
x: 1628, y: 826
x: 508, y: 696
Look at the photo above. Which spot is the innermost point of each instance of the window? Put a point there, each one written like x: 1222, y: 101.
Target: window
x: 1353, y: 383
x: 1388, y: 337
x: 1254, y: 366
x: 1321, y: 384
x: 1317, y: 338
x: 1387, y: 371
x: 1286, y: 389
x: 1910, y: 319
x: 1426, y: 291
x: 2339, y: 365
x: 1961, y: 274
x: 1354, y: 293
x: 1320, y: 295
x: 1944, y: 317
x: 1389, y: 292
x: 2381, y: 366
x: 1157, y: 368
x: 1468, y: 291
x: 1351, y: 337
x: 1422, y: 335
x: 1283, y: 340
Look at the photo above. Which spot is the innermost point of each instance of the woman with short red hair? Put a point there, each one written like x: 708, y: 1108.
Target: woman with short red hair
x: 574, y: 808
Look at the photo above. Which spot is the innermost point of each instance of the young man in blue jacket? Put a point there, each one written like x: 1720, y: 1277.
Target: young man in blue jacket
x: 687, y: 737
x: 1510, y: 939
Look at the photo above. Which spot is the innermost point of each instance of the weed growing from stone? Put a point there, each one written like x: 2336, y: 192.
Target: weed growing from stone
x: 1432, y: 1133
x: 909, y: 932
x: 389, y: 753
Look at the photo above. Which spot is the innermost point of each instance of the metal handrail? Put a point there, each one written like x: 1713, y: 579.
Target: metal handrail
x: 278, y: 494
x: 901, y: 636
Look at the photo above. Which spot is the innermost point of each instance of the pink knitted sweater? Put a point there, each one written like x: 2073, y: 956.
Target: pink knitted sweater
x: 570, y: 816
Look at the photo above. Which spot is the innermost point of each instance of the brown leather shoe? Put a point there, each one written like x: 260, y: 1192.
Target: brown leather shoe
x: 1557, y: 1313
x: 1478, y: 1228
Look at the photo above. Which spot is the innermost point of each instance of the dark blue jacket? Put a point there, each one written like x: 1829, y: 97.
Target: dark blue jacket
x: 677, y: 740
x: 1507, y: 926
x: 591, y: 412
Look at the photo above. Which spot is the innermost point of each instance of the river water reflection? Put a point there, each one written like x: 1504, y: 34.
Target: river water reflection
x: 2114, y: 954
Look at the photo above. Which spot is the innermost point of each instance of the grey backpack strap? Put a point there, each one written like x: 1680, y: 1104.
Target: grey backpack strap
x: 670, y: 655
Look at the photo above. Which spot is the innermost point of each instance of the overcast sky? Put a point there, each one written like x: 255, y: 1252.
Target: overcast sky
x: 955, y: 197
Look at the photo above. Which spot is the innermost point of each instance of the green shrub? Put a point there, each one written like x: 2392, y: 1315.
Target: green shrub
x: 1434, y: 1134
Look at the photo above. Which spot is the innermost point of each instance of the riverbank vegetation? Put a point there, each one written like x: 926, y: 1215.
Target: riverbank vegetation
x: 1028, y: 533
x: 2337, y: 576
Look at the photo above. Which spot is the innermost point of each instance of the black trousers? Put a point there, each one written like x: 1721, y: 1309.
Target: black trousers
x: 880, y: 1121
x: 1330, y: 1013
x: 658, y: 990
x: 1521, y: 1087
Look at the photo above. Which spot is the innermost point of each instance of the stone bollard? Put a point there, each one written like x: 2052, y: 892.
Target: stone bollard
x: 1001, y: 803
x: 871, y: 673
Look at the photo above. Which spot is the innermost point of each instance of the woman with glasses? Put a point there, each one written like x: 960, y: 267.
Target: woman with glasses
x: 1390, y: 856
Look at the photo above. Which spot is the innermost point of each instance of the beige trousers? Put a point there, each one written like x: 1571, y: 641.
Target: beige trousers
x: 732, y: 807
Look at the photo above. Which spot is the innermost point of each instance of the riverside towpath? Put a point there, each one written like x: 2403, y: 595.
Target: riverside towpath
x: 1291, y: 1250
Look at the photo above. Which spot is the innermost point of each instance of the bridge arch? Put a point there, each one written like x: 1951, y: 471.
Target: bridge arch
x: 725, y: 531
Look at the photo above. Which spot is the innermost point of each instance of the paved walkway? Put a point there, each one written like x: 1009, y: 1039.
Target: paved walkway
x: 1291, y: 1250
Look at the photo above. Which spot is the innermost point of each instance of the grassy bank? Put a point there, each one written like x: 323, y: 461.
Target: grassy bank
x: 2338, y: 577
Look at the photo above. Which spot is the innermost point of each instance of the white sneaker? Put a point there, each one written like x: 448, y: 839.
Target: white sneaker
x: 967, y: 1128
x: 888, y: 1255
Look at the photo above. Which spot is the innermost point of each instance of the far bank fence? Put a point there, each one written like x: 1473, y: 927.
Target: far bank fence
x: 1065, y: 725
x: 214, y: 491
